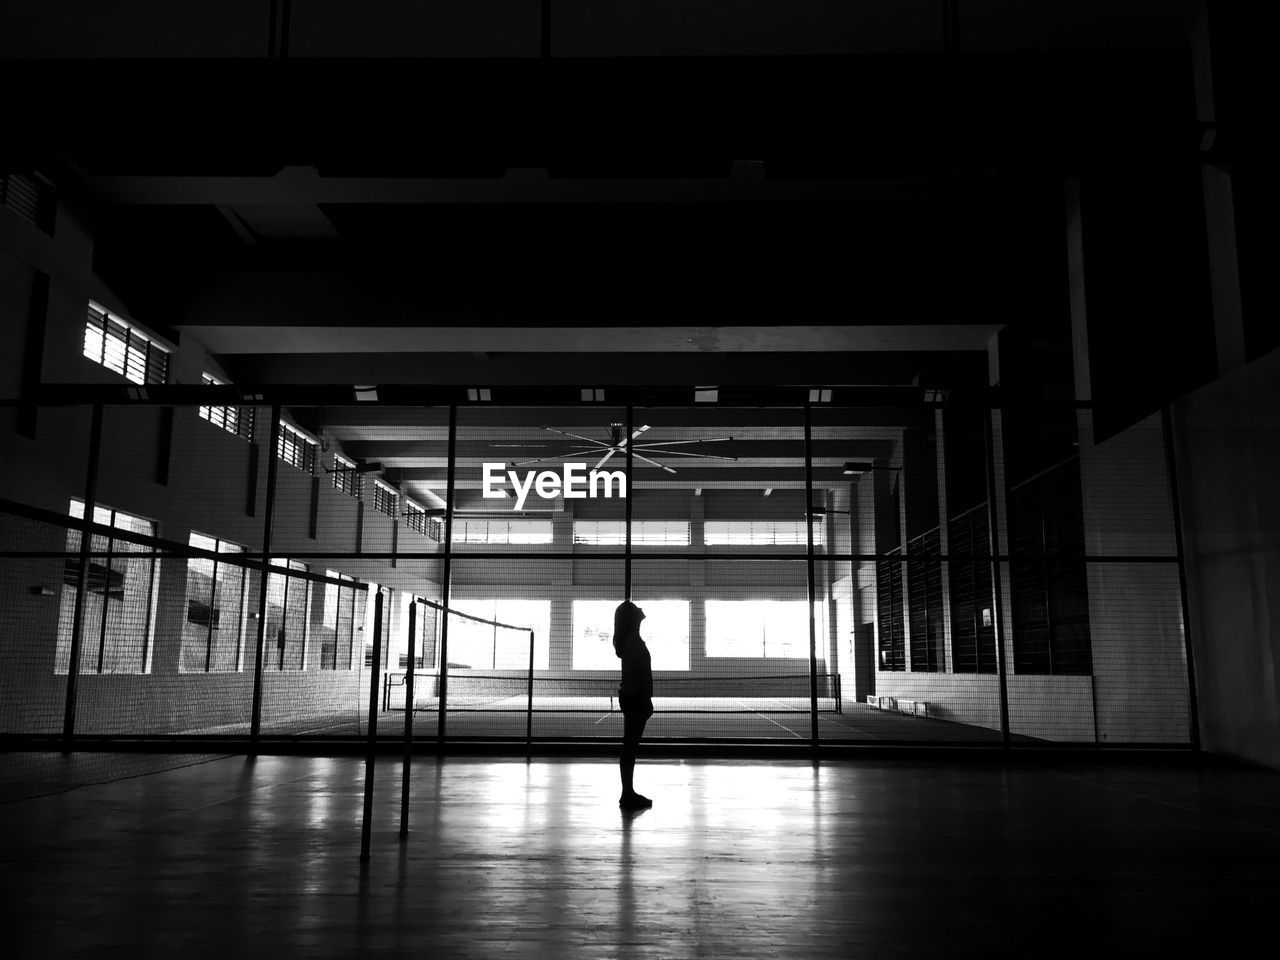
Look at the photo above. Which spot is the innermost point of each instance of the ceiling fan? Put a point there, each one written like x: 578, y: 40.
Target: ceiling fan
x: 617, y: 445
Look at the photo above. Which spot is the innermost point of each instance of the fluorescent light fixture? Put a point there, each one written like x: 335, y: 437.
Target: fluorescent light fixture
x: 819, y: 395
x: 768, y: 490
x: 935, y: 395
x: 592, y: 395
x: 856, y: 467
x: 706, y: 394
x: 480, y: 394
x: 366, y: 393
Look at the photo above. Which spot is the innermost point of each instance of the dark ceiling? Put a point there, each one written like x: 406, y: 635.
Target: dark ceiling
x: 570, y: 164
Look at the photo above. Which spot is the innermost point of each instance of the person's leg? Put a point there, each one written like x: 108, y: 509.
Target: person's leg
x: 633, y: 724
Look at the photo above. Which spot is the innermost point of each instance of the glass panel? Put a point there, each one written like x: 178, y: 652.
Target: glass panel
x: 203, y: 614
x: 230, y: 607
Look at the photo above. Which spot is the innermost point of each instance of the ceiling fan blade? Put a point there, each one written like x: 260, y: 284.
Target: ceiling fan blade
x: 683, y: 443
x: 682, y: 453
x: 622, y: 444
x: 565, y: 433
x: 605, y: 459
x: 554, y: 456
x: 654, y: 462
x: 515, y: 446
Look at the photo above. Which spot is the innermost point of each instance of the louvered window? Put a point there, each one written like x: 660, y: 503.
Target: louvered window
x: 415, y: 515
x: 236, y: 420
x: 29, y: 197
x: 119, y: 346
x: 384, y: 498
x: 296, y: 448
x: 345, y: 476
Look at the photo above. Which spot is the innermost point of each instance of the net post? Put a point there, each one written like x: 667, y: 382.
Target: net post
x: 255, y: 721
x: 446, y: 575
x: 1171, y: 466
x: 528, y: 719
x: 370, y: 758
x: 626, y: 591
x: 82, y: 578
x: 809, y: 565
x: 407, y: 770
x: 997, y: 587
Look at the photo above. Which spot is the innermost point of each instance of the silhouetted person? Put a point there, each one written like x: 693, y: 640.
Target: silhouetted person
x: 635, y: 696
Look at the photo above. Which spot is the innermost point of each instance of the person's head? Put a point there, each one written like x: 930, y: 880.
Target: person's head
x: 626, y: 624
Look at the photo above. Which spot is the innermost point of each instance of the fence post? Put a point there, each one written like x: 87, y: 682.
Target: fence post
x: 809, y: 564
x: 997, y: 588
x: 1193, y: 710
x: 82, y: 578
x: 255, y: 722
x: 405, y: 777
x: 528, y: 722
x: 370, y: 758
x: 626, y: 587
x: 446, y: 574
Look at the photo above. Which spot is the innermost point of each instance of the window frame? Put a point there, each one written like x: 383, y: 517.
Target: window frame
x: 346, y: 478
x: 296, y: 448
x: 149, y: 606
x: 130, y: 340
x: 236, y: 420
x: 241, y: 620
x: 385, y: 497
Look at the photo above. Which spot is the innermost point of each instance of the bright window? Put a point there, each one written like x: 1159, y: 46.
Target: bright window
x: 501, y: 531
x: 296, y: 448
x: 288, y: 623
x: 763, y: 629
x: 665, y: 631
x: 644, y: 533
x: 484, y: 646
x: 213, y: 633
x: 336, y: 630
x: 119, y: 610
x: 345, y: 476
x: 384, y: 498
x: 237, y: 420
x: 760, y: 533
x: 118, y: 345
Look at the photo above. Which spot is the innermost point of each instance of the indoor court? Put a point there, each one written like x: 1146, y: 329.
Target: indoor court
x: 889, y: 388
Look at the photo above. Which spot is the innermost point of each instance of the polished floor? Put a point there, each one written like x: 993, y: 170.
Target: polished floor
x: 780, y: 859
x: 598, y: 719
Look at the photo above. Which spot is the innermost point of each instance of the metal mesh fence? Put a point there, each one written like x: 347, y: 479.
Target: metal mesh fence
x: 838, y: 574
